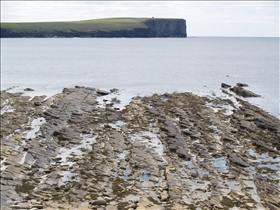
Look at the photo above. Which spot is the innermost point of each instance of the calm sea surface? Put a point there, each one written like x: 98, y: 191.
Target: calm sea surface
x: 144, y: 66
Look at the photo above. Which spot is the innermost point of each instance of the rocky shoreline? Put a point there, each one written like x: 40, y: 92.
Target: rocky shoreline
x: 78, y: 150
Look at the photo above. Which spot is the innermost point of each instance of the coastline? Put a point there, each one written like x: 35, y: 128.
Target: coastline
x: 169, y: 150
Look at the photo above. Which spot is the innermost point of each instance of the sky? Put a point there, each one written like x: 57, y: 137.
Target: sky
x: 203, y: 18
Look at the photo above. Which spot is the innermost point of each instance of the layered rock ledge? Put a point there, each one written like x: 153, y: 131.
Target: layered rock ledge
x: 78, y: 150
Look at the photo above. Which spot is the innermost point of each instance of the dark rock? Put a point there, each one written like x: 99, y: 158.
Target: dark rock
x: 39, y: 99
x: 54, y: 106
x: 278, y: 135
x: 66, y: 134
x: 224, y: 85
x: 102, y: 92
x: 37, y: 206
x: 213, y: 147
x: 25, y: 147
x: 67, y: 188
x: 228, y: 138
x: 184, y: 124
x: 237, y: 160
x: 264, y: 146
x: 8, y: 178
x: 164, y: 128
x: 98, y: 202
x: 28, y: 89
x: 182, y: 153
x: 77, y: 113
x: 242, y: 92
x: 247, y: 125
x: 188, y: 133
x: 215, y: 204
x: 114, y: 90
x: 65, y: 90
x: 111, y: 109
x: 90, y: 88
x: 262, y: 123
x: 241, y: 84
x: 37, y: 104
x: 52, y: 113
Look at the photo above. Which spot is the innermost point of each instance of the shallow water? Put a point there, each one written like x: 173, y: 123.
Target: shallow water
x: 143, y: 66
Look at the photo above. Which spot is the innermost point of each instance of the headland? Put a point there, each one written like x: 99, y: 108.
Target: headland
x: 108, y: 27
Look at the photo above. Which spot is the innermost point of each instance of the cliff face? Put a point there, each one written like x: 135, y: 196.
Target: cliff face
x: 167, y: 27
x: 137, y: 32
x: 151, y: 28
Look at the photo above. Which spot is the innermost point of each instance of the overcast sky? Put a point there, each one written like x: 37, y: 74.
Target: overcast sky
x: 204, y: 18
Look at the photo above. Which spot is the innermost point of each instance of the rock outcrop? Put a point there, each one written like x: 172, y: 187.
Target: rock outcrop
x: 239, y: 90
x: 78, y: 150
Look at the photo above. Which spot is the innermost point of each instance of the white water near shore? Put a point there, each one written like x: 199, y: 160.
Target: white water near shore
x: 144, y: 66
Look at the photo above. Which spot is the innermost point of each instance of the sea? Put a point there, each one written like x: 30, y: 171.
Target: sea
x: 144, y: 66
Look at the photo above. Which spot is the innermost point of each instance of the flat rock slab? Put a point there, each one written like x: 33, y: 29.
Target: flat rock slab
x: 102, y: 92
x: 164, y: 151
x: 237, y: 160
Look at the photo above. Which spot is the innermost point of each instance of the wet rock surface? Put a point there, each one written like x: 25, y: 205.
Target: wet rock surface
x: 239, y: 90
x: 77, y: 150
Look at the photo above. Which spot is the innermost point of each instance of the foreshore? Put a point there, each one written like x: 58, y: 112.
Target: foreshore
x: 79, y: 150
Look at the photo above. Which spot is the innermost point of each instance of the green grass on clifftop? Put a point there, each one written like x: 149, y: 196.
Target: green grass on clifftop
x: 95, y: 24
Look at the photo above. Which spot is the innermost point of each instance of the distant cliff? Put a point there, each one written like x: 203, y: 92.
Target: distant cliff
x: 167, y: 27
x: 110, y: 27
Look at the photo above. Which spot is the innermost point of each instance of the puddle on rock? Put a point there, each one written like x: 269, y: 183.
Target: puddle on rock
x: 145, y: 177
x: 120, y: 99
x: 233, y: 185
x: 126, y: 174
x: 193, y: 184
x: 151, y: 140
x: 265, y: 164
x: 226, y: 108
x: 35, y: 127
x: 23, y: 143
x: 67, y: 176
x: 87, y: 141
x: 116, y: 175
x: 132, y: 198
x: 23, y: 158
x: 67, y: 153
x: 252, y: 190
x: 189, y: 164
x: 220, y: 164
x: 117, y: 125
x: 222, y: 104
x: 2, y: 165
x: 271, y: 166
x: 123, y: 154
x: 7, y: 109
